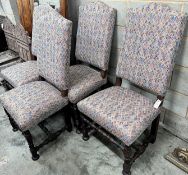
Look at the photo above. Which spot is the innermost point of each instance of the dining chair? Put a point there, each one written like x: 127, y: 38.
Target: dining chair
x: 30, y: 104
x: 27, y: 71
x: 151, y: 39
x: 93, y: 45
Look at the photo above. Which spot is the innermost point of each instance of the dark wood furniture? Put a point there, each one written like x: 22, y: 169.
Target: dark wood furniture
x: 131, y: 153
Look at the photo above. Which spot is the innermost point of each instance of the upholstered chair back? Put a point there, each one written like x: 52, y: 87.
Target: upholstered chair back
x: 9, y: 30
x: 53, y: 57
x: 23, y: 42
x: 94, y: 35
x: 39, y: 12
x: 151, y: 39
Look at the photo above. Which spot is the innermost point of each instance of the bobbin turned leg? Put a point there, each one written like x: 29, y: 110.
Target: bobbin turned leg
x: 128, y: 161
x: 85, y: 136
x: 154, y: 129
x: 68, y: 122
x: 12, y: 122
x: 33, y: 150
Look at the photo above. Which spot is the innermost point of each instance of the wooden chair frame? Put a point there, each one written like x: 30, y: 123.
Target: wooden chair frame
x: 74, y: 109
x: 131, y: 153
x: 51, y: 136
x: 23, y: 42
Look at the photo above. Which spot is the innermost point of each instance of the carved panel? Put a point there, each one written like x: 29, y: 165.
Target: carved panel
x: 9, y: 30
x: 23, y: 43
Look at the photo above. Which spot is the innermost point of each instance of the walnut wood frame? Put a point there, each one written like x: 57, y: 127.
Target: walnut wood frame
x: 51, y: 136
x: 74, y: 110
x: 132, y: 152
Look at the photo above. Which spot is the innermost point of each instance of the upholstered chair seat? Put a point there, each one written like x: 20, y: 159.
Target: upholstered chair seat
x: 83, y: 81
x: 31, y: 103
x: 122, y: 112
x: 151, y: 38
x: 93, y: 45
x: 21, y: 73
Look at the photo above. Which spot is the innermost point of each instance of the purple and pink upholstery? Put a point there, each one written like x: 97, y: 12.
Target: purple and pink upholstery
x: 33, y: 102
x: 21, y: 73
x: 27, y: 72
x: 93, y: 46
x: 152, y: 37
x: 84, y: 80
x: 123, y: 112
x: 38, y: 27
x: 94, y: 36
x: 53, y: 57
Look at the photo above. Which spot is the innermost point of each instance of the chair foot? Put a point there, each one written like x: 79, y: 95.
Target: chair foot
x: 69, y: 129
x: 14, y: 129
x: 128, y: 161
x: 85, y: 136
x: 36, y: 157
x: 126, y: 173
x: 78, y: 131
x: 33, y: 149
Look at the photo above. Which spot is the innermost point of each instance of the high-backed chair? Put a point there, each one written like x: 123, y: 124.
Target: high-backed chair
x: 94, y: 36
x: 23, y: 72
x: 30, y: 104
x: 151, y: 40
x: 23, y: 42
x: 27, y: 71
x: 9, y: 31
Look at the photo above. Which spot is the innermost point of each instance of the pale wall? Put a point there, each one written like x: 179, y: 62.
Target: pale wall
x: 7, y: 10
x: 176, y: 102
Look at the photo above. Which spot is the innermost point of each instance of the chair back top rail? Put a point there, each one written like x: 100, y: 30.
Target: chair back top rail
x: 23, y: 42
x: 94, y: 36
x: 151, y: 40
x: 53, y: 55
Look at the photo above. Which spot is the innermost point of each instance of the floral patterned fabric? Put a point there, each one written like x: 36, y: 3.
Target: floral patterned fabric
x: 39, y: 12
x: 151, y: 39
x: 94, y: 36
x: 53, y: 57
x: 31, y: 103
x: 122, y: 112
x: 21, y: 73
x: 83, y: 81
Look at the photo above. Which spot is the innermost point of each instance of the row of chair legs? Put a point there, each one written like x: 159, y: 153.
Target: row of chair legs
x: 51, y: 136
x: 82, y: 125
x: 131, y: 153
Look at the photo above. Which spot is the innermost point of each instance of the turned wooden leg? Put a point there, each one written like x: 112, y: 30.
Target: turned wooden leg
x: 154, y: 130
x: 128, y: 161
x: 68, y: 122
x: 85, y: 136
x: 33, y: 150
x: 12, y: 122
x: 77, y: 122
